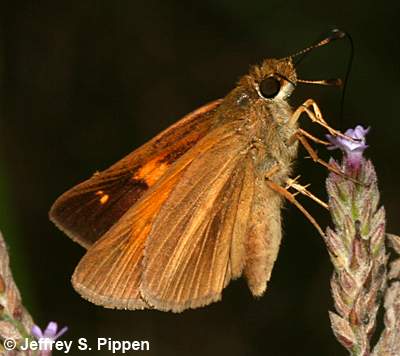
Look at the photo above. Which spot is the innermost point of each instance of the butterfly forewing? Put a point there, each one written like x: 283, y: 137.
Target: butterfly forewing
x: 89, y: 209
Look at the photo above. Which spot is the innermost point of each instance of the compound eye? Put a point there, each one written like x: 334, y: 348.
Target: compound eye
x: 270, y: 87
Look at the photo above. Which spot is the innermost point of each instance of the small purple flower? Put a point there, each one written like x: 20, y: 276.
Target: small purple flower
x: 49, y: 333
x: 353, y: 149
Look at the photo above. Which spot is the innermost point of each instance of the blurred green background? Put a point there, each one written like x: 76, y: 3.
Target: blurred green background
x: 85, y: 82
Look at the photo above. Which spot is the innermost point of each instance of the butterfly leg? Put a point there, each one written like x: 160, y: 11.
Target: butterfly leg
x: 302, y: 189
x: 300, y: 131
x: 314, y: 156
x: 316, y: 117
x: 292, y: 199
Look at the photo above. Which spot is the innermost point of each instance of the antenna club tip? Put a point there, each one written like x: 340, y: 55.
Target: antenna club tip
x: 336, y: 33
x: 338, y: 82
x: 335, y: 82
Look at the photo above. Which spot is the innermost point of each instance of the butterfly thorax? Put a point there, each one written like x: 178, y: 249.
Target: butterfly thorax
x: 259, y: 105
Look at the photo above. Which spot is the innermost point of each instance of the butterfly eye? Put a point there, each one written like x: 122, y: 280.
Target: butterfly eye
x: 269, y: 87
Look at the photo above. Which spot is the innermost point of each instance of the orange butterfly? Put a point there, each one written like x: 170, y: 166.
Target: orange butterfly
x: 170, y: 225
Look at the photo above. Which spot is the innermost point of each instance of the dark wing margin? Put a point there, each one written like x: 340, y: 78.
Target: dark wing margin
x: 89, y: 209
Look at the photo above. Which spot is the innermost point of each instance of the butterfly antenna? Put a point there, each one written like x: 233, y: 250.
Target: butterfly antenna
x: 335, y: 82
x: 334, y: 35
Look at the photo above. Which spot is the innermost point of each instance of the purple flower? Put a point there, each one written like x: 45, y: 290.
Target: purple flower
x: 49, y: 333
x: 353, y: 149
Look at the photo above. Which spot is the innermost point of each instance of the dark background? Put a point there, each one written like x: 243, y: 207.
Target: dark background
x: 85, y: 82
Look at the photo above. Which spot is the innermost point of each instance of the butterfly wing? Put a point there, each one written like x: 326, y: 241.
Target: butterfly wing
x: 197, y: 243
x: 110, y: 272
x: 88, y: 210
x: 182, y: 242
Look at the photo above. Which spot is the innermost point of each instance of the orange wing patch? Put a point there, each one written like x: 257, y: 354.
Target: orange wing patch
x: 103, y: 197
x: 151, y: 172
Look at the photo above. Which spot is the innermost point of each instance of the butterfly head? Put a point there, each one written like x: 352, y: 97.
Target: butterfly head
x: 272, y: 81
x: 266, y: 89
